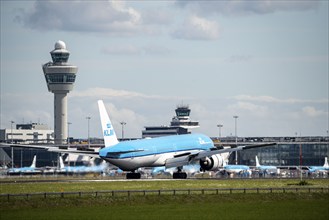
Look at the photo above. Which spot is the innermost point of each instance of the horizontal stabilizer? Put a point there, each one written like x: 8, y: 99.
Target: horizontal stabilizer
x: 79, y: 152
x: 26, y: 146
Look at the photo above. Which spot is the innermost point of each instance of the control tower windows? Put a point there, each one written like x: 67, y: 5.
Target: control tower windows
x: 61, y: 78
x: 60, y: 57
x: 181, y: 112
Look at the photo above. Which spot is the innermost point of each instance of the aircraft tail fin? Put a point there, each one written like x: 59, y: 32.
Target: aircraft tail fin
x: 226, y: 155
x: 224, y: 162
x: 257, y: 162
x: 326, y: 162
x: 110, y: 137
x: 61, y: 162
x: 34, y: 162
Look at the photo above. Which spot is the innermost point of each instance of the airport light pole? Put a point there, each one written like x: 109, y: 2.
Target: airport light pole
x: 68, y: 134
x: 219, y: 132
x: 21, y: 158
x: 88, y: 119
x: 12, y: 141
x: 122, y: 130
x: 300, y: 161
x: 236, y: 138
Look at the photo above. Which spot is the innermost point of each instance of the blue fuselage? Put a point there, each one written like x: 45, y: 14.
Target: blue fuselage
x: 131, y: 155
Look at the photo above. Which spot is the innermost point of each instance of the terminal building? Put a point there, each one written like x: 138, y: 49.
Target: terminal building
x: 288, y: 151
x: 30, y: 133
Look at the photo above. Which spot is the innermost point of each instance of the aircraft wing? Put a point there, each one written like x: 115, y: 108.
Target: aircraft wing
x: 26, y: 146
x: 186, y: 159
x: 54, y: 149
x: 204, y: 154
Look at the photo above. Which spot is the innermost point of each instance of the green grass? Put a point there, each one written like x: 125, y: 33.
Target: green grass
x: 32, y: 187
x: 223, y: 206
x: 235, y: 206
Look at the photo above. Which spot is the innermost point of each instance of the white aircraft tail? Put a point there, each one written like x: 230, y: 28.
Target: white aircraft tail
x: 61, y: 163
x: 326, y: 162
x: 110, y: 137
x: 225, y: 156
x: 225, y: 162
x: 257, y: 162
x: 34, y: 162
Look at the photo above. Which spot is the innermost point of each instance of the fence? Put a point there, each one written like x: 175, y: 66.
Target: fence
x: 173, y: 192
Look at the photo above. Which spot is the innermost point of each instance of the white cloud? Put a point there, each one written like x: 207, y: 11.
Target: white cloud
x: 112, y: 17
x: 134, y: 121
x: 197, y: 28
x: 158, y: 16
x: 313, y: 112
x: 248, y: 106
x: 135, y: 50
x: 112, y: 93
x: 122, y: 50
x: 271, y: 99
x: 25, y: 108
x: 244, y: 7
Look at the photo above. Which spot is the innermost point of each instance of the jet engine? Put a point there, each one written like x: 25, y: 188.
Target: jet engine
x: 211, y: 163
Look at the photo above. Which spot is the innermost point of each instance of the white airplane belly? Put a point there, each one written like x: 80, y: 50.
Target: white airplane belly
x: 130, y: 164
x: 144, y: 161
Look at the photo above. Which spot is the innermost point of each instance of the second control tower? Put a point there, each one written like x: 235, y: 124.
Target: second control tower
x: 60, y: 77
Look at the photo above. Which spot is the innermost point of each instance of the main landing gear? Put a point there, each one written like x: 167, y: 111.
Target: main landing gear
x: 179, y: 174
x: 133, y: 175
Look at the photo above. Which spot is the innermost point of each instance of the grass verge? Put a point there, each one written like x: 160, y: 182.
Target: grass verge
x: 223, y: 206
x: 227, y: 206
x: 76, y: 186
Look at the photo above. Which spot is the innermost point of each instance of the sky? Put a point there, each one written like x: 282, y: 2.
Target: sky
x: 264, y: 61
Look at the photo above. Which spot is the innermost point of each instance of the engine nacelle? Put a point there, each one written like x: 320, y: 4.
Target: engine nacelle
x: 211, y: 163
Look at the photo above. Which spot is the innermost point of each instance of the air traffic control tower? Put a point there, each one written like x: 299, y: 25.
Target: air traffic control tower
x: 60, y: 77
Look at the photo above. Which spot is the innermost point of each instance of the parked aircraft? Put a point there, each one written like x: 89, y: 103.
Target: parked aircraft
x: 265, y: 169
x: 324, y: 168
x: 81, y: 169
x: 236, y: 169
x: 25, y: 170
x: 168, y: 151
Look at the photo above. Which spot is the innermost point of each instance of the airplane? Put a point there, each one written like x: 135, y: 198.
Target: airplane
x: 324, y: 168
x: 265, y: 169
x: 169, y: 151
x: 81, y: 169
x: 25, y: 170
x: 236, y: 169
